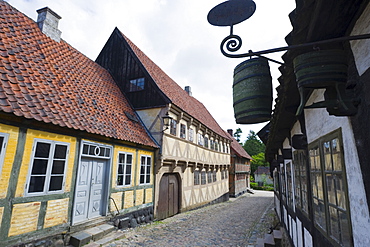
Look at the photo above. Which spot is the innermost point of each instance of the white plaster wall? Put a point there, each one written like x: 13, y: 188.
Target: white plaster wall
x: 307, y: 238
x: 361, y: 48
x: 299, y: 233
x: 319, y: 123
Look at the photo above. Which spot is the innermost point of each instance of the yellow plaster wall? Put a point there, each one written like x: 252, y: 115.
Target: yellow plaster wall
x: 149, y: 195
x: 129, y: 199
x: 24, y: 218
x: 56, y: 212
x: 139, y: 197
x: 117, y: 197
x: 31, y: 135
x: 9, y: 157
x: 118, y: 149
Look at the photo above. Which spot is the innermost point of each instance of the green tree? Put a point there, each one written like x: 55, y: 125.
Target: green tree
x: 253, y: 144
x: 237, y: 134
x: 258, y: 160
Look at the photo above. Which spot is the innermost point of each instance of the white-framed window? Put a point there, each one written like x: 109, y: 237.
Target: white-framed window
x: 191, y: 135
x: 200, y: 139
x: 206, y: 142
x: 48, y: 167
x: 196, y: 177
x: 145, y: 169
x: 3, y: 142
x: 173, y: 127
x: 182, y: 131
x: 137, y: 84
x: 124, y: 173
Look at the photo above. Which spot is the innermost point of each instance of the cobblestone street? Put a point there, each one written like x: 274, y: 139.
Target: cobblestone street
x: 237, y: 222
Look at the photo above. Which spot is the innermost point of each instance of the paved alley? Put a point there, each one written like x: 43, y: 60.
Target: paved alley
x: 237, y: 222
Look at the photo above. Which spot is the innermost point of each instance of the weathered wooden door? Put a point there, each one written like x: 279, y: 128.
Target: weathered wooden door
x: 89, y: 190
x: 169, y: 196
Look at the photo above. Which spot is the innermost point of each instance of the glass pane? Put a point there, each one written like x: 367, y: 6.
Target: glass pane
x: 148, y: 161
x: 39, y: 166
x: 341, y: 194
x: 56, y: 183
x: 327, y: 156
x: 1, y: 143
x: 128, y: 180
x: 102, y: 152
x: 60, y: 152
x: 120, y: 180
x: 142, y: 179
x: 147, y: 179
x: 128, y: 169
x: 121, y: 158
x: 36, y: 184
x: 142, y: 160
x: 148, y: 170
x: 42, y: 150
x: 120, y: 169
x: 85, y: 149
x: 344, y: 229
x: 330, y: 179
x: 129, y: 159
x: 58, y: 167
x: 92, y: 150
x: 334, y: 223
x: 337, y: 158
x: 142, y: 170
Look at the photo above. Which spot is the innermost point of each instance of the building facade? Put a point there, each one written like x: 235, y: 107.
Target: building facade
x: 194, y: 151
x: 72, y: 150
x: 239, y: 171
x: 318, y: 136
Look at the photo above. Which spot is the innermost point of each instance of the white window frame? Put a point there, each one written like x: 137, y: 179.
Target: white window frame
x: 3, y: 149
x: 191, y: 134
x: 182, y: 131
x: 48, y: 169
x: 145, y: 166
x: 124, y: 174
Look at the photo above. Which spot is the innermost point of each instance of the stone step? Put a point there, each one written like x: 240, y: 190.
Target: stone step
x: 107, y: 239
x: 269, y: 240
x: 95, y: 233
x: 278, y: 236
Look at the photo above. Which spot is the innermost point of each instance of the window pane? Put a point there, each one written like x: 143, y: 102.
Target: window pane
x: 147, y: 179
x: 120, y: 169
x: 1, y: 143
x: 85, y: 149
x: 128, y: 180
x: 60, y: 152
x: 142, y: 179
x: 344, y: 229
x: 148, y: 161
x: 36, y: 184
x: 148, y: 170
x: 128, y: 169
x: 129, y: 159
x: 39, y: 166
x: 56, y: 183
x: 334, y: 223
x: 58, y: 167
x: 120, y: 180
x: 42, y: 150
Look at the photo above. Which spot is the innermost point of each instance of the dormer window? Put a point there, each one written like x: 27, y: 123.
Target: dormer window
x: 137, y: 84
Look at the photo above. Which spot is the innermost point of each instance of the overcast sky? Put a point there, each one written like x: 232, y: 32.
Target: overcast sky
x: 176, y: 35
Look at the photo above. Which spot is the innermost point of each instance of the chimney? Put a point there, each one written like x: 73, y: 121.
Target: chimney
x: 188, y: 90
x: 47, y: 20
x: 230, y: 131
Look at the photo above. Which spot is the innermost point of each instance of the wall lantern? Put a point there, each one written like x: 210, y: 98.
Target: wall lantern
x: 232, y: 12
x: 166, y: 121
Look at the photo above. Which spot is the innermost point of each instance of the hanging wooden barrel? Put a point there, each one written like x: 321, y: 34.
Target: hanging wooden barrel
x: 252, y: 91
x: 320, y: 69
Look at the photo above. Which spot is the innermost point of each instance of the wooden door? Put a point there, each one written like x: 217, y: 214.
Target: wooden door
x: 169, y: 200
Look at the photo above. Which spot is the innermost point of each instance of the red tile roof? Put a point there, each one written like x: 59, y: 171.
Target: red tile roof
x: 238, y: 148
x: 175, y: 93
x: 54, y: 83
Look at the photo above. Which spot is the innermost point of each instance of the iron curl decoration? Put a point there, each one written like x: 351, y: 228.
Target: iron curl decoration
x: 232, y: 43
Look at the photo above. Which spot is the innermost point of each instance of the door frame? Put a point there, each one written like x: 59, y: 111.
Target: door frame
x: 107, y: 181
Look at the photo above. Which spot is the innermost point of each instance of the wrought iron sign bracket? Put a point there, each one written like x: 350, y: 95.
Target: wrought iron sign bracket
x: 233, y: 43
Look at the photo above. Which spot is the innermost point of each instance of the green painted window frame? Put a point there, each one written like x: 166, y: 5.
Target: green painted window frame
x: 327, y: 165
x: 48, y: 172
x: 124, y: 169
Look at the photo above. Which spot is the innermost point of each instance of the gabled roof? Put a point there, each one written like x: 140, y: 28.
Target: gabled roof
x: 51, y: 82
x: 175, y: 93
x: 238, y: 148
